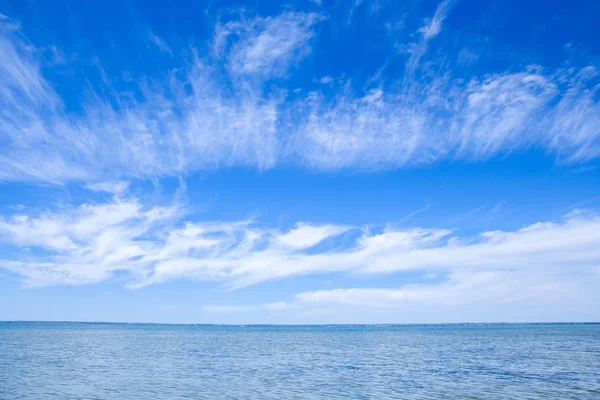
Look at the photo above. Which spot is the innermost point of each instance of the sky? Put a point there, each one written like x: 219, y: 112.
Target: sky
x: 304, y: 162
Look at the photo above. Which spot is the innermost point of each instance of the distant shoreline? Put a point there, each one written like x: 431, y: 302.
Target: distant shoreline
x: 310, y: 325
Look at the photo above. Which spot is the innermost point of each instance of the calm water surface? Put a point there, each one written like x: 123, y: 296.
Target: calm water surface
x: 130, y: 361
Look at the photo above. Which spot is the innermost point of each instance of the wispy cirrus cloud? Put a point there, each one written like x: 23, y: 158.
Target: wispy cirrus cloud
x: 217, y: 110
x: 434, y: 27
x: 265, y: 46
x: 500, y: 114
x: 191, y: 121
x: 159, y: 43
x: 428, y: 31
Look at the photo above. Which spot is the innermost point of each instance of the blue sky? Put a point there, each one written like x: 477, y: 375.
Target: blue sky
x: 304, y: 162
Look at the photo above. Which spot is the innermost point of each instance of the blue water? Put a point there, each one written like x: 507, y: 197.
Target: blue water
x: 138, y: 361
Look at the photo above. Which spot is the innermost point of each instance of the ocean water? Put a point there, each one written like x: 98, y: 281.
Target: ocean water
x: 139, y: 361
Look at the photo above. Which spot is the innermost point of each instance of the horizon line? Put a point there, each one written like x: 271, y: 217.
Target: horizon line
x: 315, y: 325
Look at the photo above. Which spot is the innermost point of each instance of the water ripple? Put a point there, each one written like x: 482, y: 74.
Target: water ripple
x: 121, y: 361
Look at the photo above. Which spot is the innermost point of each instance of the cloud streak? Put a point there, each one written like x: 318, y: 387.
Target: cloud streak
x: 265, y: 46
x: 484, y: 118
x: 232, y: 106
x: 148, y: 245
x: 476, y: 295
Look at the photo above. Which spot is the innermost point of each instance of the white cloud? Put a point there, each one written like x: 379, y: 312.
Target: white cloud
x: 306, y: 235
x: 434, y: 27
x: 573, y: 123
x: 207, y: 116
x: 428, y: 32
x: 498, y: 115
x: 266, y: 46
x: 154, y: 244
x: 497, y: 286
x: 525, y: 275
x: 159, y: 43
x: 85, y: 244
x: 188, y: 122
x: 116, y: 188
x: 498, y: 112
x: 477, y: 295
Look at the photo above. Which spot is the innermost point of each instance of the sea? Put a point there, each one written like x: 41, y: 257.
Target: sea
x: 65, y: 360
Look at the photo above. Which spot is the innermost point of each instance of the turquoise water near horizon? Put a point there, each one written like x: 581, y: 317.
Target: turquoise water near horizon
x: 50, y: 360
